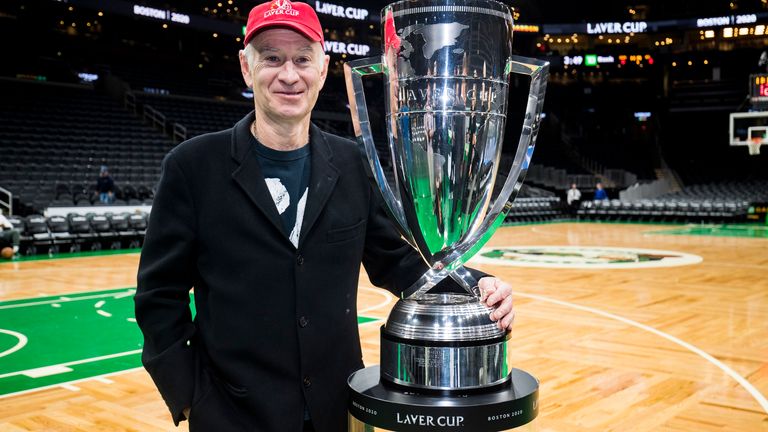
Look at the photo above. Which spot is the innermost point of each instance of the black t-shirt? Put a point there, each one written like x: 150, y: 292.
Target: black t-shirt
x: 287, y: 176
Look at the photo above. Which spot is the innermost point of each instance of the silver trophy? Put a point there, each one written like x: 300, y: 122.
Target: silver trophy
x: 447, y: 66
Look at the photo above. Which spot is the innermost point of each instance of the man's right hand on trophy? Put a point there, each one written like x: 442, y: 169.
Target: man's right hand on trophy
x: 497, y: 294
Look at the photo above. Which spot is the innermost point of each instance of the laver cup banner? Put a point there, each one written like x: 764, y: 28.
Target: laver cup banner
x: 447, y: 67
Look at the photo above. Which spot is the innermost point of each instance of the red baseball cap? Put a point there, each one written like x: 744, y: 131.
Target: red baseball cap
x: 282, y: 13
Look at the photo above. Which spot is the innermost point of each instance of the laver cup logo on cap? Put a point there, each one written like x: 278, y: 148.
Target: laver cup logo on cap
x: 296, y: 16
x: 280, y: 7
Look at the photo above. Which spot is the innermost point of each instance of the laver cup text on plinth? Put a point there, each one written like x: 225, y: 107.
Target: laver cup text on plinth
x: 377, y: 406
x: 447, y: 66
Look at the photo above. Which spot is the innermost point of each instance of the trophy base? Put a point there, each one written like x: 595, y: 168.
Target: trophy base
x: 444, y: 342
x: 375, y: 406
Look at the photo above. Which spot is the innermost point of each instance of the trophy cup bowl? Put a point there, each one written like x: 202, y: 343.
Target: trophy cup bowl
x: 447, y: 65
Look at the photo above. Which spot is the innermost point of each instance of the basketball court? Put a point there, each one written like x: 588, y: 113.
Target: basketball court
x: 636, y: 245
x: 679, y: 346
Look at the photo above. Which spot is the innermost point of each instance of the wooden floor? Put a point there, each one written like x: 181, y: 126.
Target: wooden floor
x: 658, y: 349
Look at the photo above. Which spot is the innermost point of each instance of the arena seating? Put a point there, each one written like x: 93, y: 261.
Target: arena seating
x: 752, y: 190
x: 76, y: 232
x: 713, y: 202
x: 538, y: 209
x: 54, y: 139
x: 199, y: 116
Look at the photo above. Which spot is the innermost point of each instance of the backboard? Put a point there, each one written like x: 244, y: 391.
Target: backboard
x: 748, y: 128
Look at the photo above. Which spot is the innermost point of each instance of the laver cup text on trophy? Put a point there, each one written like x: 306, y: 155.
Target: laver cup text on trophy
x: 447, y: 67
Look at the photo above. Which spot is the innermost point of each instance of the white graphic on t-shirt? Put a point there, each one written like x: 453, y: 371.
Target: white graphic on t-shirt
x: 279, y: 194
x: 294, y: 237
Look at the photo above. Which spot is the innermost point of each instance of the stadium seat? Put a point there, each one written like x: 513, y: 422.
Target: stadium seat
x: 103, y: 231
x: 37, y: 228
x: 81, y: 228
x: 121, y: 226
x: 60, y: 234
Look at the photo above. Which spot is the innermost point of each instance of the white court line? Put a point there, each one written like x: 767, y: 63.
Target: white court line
x: 725, y: 368
x: 103, y: 380
x: 386, y: 302
x: 61, y: 299
x: 128, y: 293
x: 103, y: 313
x: 76, y: 362
x: 19, y: 345
x: 99, y: 304
x: 23, y: 392
x: 46, y: 371
x: 70, y: 387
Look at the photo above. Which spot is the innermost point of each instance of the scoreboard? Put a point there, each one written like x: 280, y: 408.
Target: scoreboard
x: 758, y: 87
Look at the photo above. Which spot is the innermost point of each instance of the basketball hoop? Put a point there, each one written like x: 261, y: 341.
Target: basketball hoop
x: 754, y: 146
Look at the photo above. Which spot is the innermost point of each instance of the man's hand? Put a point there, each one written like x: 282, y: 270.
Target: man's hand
x: 498, y: 294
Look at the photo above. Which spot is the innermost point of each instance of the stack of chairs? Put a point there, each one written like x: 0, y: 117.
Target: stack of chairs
x: 80, y: 232
x: 538, y: 209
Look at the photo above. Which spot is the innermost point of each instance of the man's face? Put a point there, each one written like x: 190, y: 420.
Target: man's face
x: 286, y: 75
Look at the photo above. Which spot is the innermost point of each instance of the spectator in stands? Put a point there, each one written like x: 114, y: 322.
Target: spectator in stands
x: 573, y: 198
x: 105, y: 186
x: 9, y: 235
x: 600, y: 193
x: 269, y: 221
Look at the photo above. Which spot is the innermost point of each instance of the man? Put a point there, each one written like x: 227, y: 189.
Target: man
x: 573, y: 198
x: 600, y: 193
x: 269, y: 222
x: 105, y: 186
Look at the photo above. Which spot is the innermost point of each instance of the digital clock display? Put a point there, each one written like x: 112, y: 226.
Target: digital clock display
x: 759, y: 86
x: 762, y: 90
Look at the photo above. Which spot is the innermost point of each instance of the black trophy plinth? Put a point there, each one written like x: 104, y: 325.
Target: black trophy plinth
x: 374, y: 404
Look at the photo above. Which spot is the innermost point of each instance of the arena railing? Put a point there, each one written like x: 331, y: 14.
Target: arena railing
x: 7, y: 204
x: 179, y: 132
x: 155, y: 117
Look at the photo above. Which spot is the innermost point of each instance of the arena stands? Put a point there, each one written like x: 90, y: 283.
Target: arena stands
x: 197, y: 115
x: 54, y: 139
x: 628, y: 125
x: 726, y: 202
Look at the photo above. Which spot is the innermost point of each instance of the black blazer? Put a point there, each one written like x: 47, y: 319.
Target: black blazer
x: 275, y: 326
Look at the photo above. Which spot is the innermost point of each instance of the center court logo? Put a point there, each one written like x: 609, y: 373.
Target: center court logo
x: 583, y: 257
x: 281, y: 7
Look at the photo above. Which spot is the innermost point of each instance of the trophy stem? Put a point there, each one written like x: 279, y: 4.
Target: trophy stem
x: 464, y: 278
x: 428, y: 280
